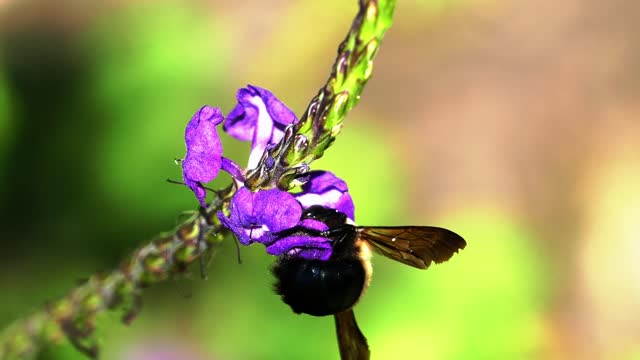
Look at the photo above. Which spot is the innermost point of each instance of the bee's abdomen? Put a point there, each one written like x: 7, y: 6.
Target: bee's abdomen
x: 317, y: 287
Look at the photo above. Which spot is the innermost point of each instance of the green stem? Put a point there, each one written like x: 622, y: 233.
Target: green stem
x: 74, y: 316
x: 322, y: 121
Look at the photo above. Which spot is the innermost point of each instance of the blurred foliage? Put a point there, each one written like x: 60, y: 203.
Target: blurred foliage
x: 376, y: 182
x: 92, y: 116
x: 5, y: 123
x: 5, y: 114
x: 287, y: 39
x: 152, y: 72
x: 147, y: 75
x: 485, y: 304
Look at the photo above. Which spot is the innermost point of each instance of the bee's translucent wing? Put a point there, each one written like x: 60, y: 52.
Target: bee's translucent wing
x: 417, y: 246
x: 351, y: 341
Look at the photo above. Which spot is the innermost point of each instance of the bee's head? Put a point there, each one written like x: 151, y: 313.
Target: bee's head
x: 317, y: 287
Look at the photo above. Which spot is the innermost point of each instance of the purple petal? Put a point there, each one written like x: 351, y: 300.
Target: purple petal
x: 260, y: 117
x: 345, y: 205
x: 204, y: 150
x: 278, y: 111
x: 240, y: 208
x: 277, y: 209
x: 241, y: 121
x: 255, y: 217
x: 314, y: 224
x: 304, y: 245
x: 321, y: 181
x: 232, y: 169
x: 328, y: 190
x: 308, y: 247
x: 242, y: 237
x: 197, y: 189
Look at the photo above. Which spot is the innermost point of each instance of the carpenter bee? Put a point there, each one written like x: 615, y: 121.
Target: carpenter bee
x: 334, y: 286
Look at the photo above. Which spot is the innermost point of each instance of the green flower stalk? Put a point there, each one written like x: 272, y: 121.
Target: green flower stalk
x: 322, y: 121
x: 74, y: 317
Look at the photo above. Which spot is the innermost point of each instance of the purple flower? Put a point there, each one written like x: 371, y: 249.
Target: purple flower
x: 328, y: 190
x: 271, y: 217
x: 264, y: 216
x: 260, y: 117
x: 204, y: 150
x: 302, y: 245
x: 257, y: 216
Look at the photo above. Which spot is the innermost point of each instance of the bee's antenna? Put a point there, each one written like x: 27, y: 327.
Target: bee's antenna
x: 171, y: 181
x: 176, y: 182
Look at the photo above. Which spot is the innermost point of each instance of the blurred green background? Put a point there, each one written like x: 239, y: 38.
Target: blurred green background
x: 513, y: 122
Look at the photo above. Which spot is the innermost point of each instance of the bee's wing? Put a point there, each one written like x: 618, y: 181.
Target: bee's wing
x: 417, y: 246
x: 351, y: 341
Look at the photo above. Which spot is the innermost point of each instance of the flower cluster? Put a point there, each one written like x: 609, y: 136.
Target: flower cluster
x: 263, y: 216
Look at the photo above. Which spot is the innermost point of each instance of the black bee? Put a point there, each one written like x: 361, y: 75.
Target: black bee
x: 334, y: 286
